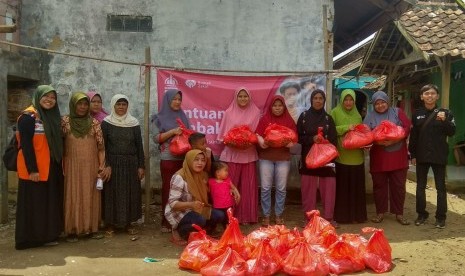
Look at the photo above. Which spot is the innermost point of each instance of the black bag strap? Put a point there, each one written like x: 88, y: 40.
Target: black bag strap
x: 14, y: 139
x: 430, y: 117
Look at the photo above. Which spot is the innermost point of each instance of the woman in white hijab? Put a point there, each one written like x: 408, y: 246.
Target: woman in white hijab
x: 125, y: 157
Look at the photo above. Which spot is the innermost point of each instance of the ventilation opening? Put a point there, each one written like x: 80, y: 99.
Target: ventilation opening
x: 129, y: 23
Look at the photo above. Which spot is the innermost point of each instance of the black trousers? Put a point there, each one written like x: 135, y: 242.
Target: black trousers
x: 439, y: 172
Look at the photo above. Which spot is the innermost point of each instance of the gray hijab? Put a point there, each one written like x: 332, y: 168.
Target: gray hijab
x: 373, y: 118
x: 166, y: 119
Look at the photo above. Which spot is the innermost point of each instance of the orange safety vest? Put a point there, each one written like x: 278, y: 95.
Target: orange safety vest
x: 41, y: 149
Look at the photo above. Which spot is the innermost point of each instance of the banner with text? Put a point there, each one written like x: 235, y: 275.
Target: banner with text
x: 207, y: 96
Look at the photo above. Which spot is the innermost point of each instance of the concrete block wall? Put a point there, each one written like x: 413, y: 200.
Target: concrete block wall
x: 262, y: 35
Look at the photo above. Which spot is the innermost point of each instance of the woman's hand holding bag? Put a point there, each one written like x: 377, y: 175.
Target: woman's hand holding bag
x: 387, y: 131
x: 240, y: 137
x: 179, y: 145
x: 361, y: 136
x: 277, y: 136
x: 321, y: 153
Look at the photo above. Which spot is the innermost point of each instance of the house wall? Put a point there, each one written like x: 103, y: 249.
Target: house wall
x: 211, y: 34
x: 10, y: 15
x: 12, y: 65
x: 233, y: 35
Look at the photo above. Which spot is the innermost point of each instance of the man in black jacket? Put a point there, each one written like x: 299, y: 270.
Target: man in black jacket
x: 428, y: 147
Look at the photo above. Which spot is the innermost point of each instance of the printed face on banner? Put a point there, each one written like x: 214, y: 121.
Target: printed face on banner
x: 206, y: 97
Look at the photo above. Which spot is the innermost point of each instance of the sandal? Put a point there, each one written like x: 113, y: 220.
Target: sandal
x: 177, y: 240
x: 402, y: 221
x: 109, y: 233
x: 279, y: 220
x: 72, y: 238
x: 377, y: 219
x: 165, y: 229
x: 334, y: 224
x: 132, y: 231
x: 266, y: 221
x: 96, y: 236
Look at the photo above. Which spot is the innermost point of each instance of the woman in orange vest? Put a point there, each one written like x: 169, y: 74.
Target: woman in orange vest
x: 39, y: 213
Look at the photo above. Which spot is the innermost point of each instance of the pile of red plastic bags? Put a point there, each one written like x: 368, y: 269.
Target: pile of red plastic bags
x: 317, y: 250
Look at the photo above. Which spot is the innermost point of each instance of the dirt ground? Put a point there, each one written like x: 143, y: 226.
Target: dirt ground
x: 416, y: 250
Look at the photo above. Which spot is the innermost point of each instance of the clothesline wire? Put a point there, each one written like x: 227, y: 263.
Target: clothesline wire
x: 167, y: 67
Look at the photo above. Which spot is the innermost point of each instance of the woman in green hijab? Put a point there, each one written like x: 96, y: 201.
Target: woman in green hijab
x: 39, y: 210
x: 84, y: 163
x: 350, y: 204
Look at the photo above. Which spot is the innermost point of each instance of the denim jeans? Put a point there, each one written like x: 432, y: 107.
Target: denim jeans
x: 276, y: 171
x: 439, y: 172
x: 185, y: 225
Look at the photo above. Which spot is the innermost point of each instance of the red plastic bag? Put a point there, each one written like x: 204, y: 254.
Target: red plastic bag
x: 320, y: 154
x: 240, y: 137
x: 201, y: 234
x: 281, y: 238
x: 179, y: 145
x: 318, y: 230
x: 277, y: 136
x: 344, y: 258
x: 228, y: 263
x: 232, y: 237
x: 198, y: 253
x: 317, y: 224
x: 302, y: 260
x: 360, y: 137
x: 387, y: 130
x: 377, y: 254
x: 264, y: 260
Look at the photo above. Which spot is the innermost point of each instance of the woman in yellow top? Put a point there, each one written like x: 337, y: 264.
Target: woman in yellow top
x: 350, y: 206
x: 39, y: 211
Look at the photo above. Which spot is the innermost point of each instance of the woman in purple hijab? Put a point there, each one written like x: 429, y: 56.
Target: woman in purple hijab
x: 96, y: 107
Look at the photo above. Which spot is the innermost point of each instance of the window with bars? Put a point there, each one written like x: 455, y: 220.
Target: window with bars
x: 129, y: 23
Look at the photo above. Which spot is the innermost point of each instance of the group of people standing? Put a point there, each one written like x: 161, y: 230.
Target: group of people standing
x: 61, y: 159
x: 341, y: 183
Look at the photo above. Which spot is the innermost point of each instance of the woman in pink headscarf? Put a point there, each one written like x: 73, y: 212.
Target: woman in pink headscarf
x: 96, y: 107
x: 242, y: 162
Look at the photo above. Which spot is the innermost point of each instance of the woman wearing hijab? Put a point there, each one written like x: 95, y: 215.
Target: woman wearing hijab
x: 98, y: 112
x: 125, y: 158
x: 350, y: 204
x: 274, y: 163
x: 96, y: 108
x: 83, y: 162
x: 166, y: 128
x: 388, y: 160
x: 39, y: 211
x: 241, y: 162
x: 188, y: 199
x: 324, y: 178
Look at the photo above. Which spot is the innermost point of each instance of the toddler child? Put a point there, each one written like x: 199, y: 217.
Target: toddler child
x: 223, y: 192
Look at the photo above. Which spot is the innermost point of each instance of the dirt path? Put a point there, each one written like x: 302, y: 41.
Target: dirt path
x: 417, y: 250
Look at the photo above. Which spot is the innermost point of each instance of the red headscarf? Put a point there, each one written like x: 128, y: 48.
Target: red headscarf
x: 268, y: 118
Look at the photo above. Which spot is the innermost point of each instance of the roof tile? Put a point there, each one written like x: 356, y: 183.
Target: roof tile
x: 440, y: 31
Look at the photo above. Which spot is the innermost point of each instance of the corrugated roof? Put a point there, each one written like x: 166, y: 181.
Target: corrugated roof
x: 437, y: 30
